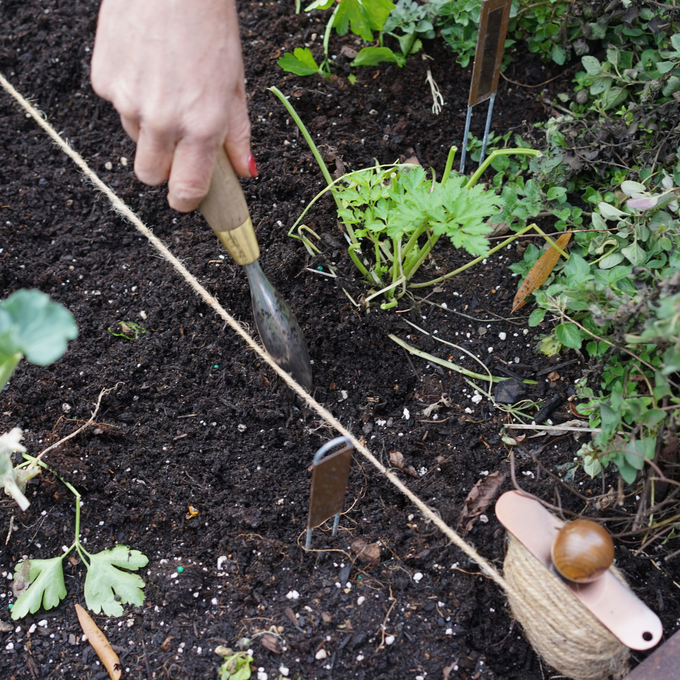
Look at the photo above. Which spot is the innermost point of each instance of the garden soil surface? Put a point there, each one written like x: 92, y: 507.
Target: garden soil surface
x: 198, y: 457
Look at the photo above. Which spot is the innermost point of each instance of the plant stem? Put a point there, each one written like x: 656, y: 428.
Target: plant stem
x: 449, y: 164
x: 492, y: 157
x: 329, y: 28
x: 308, y: 138
x: 473, y: 262
x: 444, y: 362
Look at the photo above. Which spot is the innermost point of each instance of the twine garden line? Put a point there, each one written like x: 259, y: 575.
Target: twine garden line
x: 128, y: 214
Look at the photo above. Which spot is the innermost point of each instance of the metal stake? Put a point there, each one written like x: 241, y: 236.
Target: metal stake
x: 493, y: 26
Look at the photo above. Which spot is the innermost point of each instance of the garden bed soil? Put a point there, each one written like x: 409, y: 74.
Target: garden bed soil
x: 197, y: 420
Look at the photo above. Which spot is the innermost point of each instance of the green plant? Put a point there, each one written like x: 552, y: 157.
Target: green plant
x: 32, y: 326
x: 236, y: 665
x: 127, y: 329
x: 108, y: 583
x: 619, y: 293
x: 362, y: 17
x: 394, y: 214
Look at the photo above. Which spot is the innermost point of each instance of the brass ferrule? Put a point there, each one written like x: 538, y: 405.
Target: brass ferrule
x: 241, y: 243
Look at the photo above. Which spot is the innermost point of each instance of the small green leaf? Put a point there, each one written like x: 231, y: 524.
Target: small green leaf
x: 652, y: 417
x: 301, y: 62
x: 609, y: 212
x: 591, y: 65
x: 635, y: 254
x: 364, y: 17
x: 536, y: 317
x: 47, y: 588
x: 558, y: 54
x: 107, y: 588
x: 614, y: 96
x: 569, y: 335
x: 372, y: 56
x: 664, y: 66
x: 33, y: 326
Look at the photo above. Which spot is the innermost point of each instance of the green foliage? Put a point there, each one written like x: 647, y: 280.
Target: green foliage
x: 301, y: 62
x: 127, y: 329
x: 33, y: 326
x: 618, y: 298
x: 107, y: 587
x: 395, y: 216
x: 46, y: 588
x: 236, y: 665
x: 410, y: 23
x: 361, y: 17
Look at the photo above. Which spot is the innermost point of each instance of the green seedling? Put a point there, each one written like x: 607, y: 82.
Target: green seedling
x: 395, y: 214
x: 127, y: 329
x: 236, y: 665
x: 363, y: 18
x: 32, y: 326
x: 109, y: 583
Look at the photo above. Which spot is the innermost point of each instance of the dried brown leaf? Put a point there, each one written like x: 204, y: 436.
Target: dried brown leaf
x: 100, y: 644
x: 271, y: 643
x: 540, y: 272
x: 366, y: 552
x: 397, y: 459
x: 480, y: 497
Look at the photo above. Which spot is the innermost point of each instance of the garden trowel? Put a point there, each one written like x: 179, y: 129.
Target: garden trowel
x: 226, y: 211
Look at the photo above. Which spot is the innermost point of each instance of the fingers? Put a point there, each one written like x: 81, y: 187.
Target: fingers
x: 131, y: 127
x: 192, y: 167
x: 154, y: 157
x: 237, y: 142
x: 194, y: 158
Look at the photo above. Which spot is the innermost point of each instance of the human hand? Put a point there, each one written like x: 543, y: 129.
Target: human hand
x: 174, y: 72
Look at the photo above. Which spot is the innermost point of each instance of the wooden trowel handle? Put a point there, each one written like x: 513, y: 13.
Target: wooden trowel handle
x: 226, y: 211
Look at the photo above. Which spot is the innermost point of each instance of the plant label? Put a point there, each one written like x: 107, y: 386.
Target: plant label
x: 329, y: 480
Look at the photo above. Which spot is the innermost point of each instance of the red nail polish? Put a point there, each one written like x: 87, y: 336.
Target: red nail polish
x: 251, y: 166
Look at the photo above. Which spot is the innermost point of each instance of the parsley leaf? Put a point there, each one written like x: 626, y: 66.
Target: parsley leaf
x: 107, y: 588
x: 47, y: 587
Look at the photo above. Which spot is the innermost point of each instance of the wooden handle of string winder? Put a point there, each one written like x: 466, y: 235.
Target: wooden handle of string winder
x: 226, y: 211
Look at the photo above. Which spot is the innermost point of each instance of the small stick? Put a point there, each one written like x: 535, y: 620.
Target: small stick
x: 39, y: 457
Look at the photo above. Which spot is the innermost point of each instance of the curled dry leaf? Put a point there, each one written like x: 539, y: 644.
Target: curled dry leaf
x: 100, y: 644
x: 366, y: 552
x: 553, y: 376
x: 271, y: 643
x: 480, y: 497
x: 540, y: 272
x: 397, y: 459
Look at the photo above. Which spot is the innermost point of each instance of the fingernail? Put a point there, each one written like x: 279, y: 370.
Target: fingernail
x: 251, y: 166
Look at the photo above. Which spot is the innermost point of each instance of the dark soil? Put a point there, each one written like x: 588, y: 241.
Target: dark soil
x: 196, y: 420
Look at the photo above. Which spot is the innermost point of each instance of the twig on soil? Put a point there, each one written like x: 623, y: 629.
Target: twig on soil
x: 36, y: 461
x: 383, y: 625
x: 11, y: 528
x: 551, y: 428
